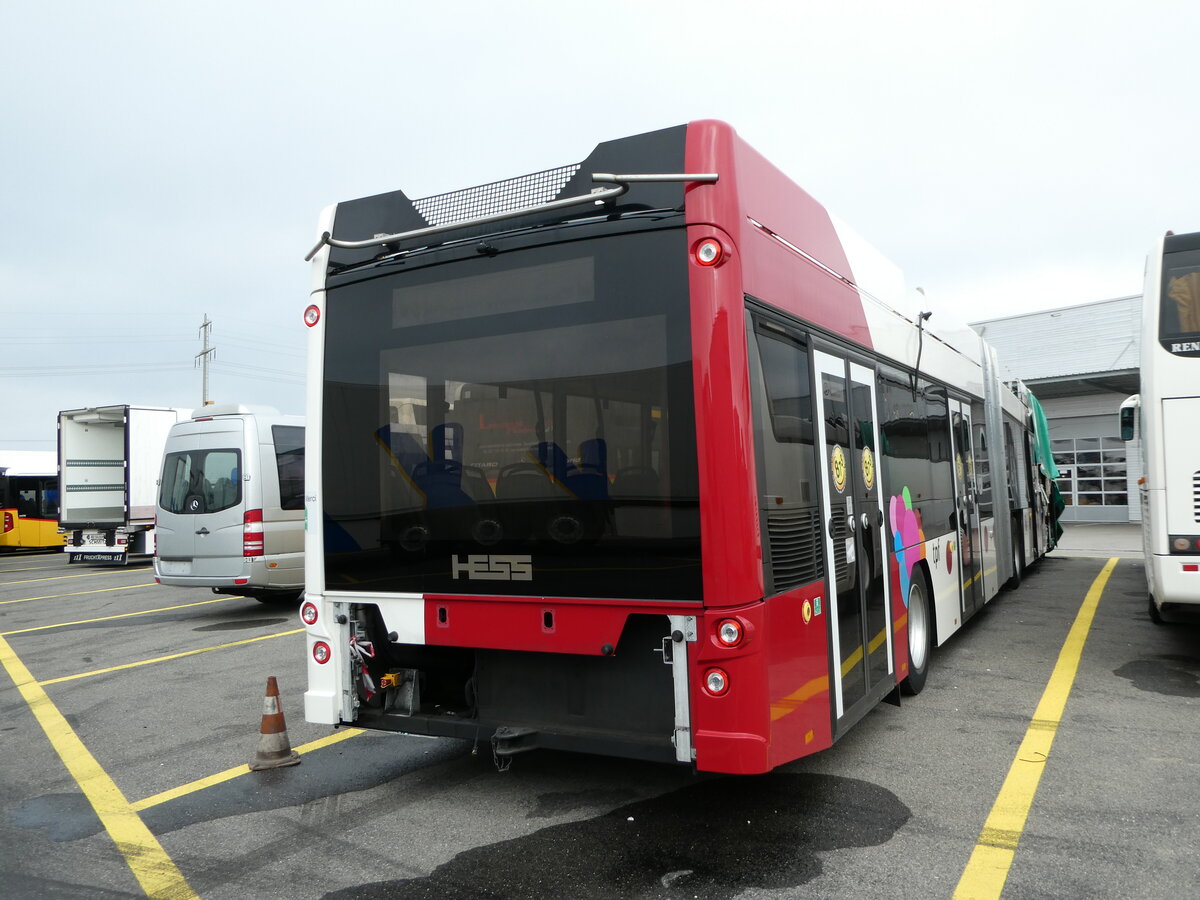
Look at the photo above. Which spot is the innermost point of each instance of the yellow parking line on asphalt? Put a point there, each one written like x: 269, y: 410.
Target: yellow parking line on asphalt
x: 155, y: 871
x: 30, y: 569
x: 144, y: 612
x: 229, y: 774
x: 988, y: 867
x: 124, y: 587
x: 157, y: 659
x: 63, y: 577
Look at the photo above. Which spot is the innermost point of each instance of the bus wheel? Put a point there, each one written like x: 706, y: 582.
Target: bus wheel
x: 1155, y: 615
x: 920, y: 636
x: 1015, y: 581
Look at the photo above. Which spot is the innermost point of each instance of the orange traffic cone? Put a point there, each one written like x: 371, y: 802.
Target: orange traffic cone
x: 273, y: 747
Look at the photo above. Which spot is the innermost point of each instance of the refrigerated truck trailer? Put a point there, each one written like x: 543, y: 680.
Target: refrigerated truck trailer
x: 109, y: 458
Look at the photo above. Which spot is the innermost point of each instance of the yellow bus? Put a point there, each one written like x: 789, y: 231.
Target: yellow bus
x: 29, y: 500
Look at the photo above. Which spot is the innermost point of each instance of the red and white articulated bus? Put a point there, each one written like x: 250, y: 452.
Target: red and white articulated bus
x: 636, y: 457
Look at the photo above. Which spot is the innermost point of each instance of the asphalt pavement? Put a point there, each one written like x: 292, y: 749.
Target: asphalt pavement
x: 162, y: 688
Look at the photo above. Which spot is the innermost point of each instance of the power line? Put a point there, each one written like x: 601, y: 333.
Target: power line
x: 114, y: 369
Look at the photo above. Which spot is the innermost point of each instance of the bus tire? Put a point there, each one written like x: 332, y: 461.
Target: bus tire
x: 920, y: 634
x: 1155, y: 614
x: 1018, y: 563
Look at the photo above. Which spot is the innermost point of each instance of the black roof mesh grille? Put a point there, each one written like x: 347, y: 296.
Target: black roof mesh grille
x: 497, y: 197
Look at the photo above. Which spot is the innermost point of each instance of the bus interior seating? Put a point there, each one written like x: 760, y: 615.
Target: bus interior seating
x: 589, y: 481
x: 586, y: 481
x: 525, y: 481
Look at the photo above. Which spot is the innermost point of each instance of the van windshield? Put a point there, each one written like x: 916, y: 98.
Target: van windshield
x: 201, y: 481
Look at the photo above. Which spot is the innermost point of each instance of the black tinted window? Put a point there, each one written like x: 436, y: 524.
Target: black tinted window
x: 782, y: 403
x: 1179, y: 323
x: 289, y: 460
x: 531, y: 410
x: 201, y: 481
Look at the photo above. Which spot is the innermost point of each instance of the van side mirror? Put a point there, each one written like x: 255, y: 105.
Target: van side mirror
x: 1127, y: 422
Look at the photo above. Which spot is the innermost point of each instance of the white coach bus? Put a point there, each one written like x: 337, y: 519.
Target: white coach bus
x: 1169, y: 407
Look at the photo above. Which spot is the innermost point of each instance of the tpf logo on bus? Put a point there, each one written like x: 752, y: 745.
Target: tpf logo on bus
x: 493, y: 567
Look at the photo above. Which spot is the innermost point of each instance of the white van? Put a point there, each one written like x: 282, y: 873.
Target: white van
x: 231, y: 504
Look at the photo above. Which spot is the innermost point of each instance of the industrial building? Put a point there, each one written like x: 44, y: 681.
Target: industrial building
x: 1081, y: 362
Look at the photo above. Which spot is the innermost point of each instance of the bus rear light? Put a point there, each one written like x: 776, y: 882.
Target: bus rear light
x: 253, y: 541
x: 308, y: 613
x: 321, y: 652
x: 1184, y: 543
x: 709, y: 252
x: 9, y: 525
x: 729, y: 632
x: 312, y: 315
x: 716, y: 682
x: 1191, y: 567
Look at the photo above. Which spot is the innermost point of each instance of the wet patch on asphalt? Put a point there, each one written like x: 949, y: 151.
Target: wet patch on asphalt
x: 1174, y: 676
x: 556, y: 804
x: 353, y: 765
x: 62, y: 817
x: 242, y: 623
x: 713, y: 840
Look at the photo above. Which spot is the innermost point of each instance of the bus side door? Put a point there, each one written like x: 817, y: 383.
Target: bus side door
x: 862, y: 667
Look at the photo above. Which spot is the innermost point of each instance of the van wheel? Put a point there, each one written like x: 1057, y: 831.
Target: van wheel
x: 920, y: 636
x: 280, y: 598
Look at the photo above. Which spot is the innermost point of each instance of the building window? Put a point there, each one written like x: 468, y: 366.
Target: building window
x: 1092, y: 471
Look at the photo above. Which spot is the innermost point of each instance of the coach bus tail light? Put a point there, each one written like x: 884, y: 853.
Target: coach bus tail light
x: 321, y: 652
x: 8, y: 522
x: 716, y: 682
x: 1185, y: 543
x: 308, y: 613
x: 312, y: 315
x: 709, y: 252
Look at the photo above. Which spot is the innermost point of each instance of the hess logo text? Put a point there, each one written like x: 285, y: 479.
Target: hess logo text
x: 492, y: 567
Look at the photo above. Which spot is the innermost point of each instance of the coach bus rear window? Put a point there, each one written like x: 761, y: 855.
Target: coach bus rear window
x: 516, y: 424
x: 1179, y: 327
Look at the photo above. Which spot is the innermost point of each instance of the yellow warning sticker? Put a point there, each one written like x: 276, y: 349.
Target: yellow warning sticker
x: 837, y: 464
x: 868, y: 468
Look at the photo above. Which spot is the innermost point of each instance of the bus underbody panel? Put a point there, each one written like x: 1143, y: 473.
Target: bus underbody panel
x: 621, y: 704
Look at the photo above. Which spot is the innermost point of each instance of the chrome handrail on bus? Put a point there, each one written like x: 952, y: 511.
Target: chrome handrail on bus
x: 598, y: 195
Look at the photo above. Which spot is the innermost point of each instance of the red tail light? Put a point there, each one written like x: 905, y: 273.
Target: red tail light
x: 252, y: 533
x: 8, y: 522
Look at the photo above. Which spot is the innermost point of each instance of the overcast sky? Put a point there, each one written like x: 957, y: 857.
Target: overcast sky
x: 163, y: 161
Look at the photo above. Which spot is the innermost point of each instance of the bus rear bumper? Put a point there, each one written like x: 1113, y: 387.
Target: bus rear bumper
x: 1176, y: 580
x: 735, y: 754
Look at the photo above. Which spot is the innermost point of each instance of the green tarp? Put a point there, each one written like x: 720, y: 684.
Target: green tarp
x: 1044, y: 457
x: 1041, y: 435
